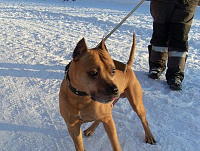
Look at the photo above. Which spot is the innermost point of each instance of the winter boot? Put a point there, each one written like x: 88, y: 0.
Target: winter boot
x: 157, y: 61
x: 175, y: 71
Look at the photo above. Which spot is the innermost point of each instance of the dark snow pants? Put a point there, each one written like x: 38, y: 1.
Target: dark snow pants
x: 172, y: 23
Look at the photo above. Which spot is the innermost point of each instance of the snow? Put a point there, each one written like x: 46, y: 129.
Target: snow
x: 36, y: 42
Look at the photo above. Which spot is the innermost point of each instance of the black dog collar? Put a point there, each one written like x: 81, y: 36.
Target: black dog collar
x: 74, y: 90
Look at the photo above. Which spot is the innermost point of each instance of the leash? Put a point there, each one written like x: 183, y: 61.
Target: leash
x: 125, y: 18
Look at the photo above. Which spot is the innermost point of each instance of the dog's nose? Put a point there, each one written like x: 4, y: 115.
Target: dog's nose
x: 114, y: 90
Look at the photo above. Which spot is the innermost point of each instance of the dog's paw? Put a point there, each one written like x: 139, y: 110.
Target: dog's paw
x: 150, y: 140
x: 88, y: 132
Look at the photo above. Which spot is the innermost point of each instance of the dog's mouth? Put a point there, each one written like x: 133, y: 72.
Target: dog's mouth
x: 105, y: 101
x: 111, y: 100
x: 106, y: 96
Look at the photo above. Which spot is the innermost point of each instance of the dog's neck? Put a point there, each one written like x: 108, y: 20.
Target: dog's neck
x: 73, y: 89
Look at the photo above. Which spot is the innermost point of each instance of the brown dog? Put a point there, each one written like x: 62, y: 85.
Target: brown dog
x: 92, y: 84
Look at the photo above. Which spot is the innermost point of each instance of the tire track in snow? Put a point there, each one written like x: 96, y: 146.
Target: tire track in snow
x: 31, y: 85
x: 15, y: 90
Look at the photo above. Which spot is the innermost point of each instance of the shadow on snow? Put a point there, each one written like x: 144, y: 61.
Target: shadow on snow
x: 32, y: 71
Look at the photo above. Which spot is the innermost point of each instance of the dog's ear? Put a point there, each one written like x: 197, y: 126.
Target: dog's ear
x: 102, y: 45
x: 80, y: 49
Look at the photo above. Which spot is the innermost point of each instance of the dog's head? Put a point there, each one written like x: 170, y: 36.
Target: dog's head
x: 94, y: 71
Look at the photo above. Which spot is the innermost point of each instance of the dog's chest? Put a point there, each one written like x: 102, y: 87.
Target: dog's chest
x: 93, y: 114
x: 85, y: 117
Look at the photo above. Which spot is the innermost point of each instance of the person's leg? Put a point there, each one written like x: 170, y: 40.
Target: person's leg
x: 178, y: 44
x: 157, y: 60
x: 161, y: 13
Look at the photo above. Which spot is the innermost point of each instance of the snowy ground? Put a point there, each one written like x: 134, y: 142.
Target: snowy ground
x: 37, y: 38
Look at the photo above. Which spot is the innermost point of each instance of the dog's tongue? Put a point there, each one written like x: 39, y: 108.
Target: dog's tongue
x: 114, y: 99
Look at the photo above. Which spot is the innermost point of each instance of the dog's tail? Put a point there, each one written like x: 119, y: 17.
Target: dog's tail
x: 131, y: 57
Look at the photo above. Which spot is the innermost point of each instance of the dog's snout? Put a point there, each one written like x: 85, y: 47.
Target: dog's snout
x: 114, y: 90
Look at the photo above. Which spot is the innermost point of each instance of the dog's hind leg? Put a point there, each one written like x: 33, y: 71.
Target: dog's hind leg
x: 134, y: 95
x: 91, y: 129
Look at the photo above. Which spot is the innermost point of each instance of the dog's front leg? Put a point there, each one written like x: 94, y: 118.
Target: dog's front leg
x: 111, y: 131
x: 76, y: 134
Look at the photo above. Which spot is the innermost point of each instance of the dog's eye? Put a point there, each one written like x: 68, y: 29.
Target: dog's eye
x: 93, y: 74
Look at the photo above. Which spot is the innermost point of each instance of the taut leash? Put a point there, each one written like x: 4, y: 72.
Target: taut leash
x: 125, y: 18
